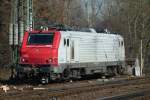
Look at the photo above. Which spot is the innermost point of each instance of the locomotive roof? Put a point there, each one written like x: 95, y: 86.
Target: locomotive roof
x: 46, y: 31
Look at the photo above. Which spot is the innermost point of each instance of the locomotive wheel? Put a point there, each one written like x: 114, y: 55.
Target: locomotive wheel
x: 115, y: 71
x: 66, y: 74
x: 120, y: 70
x: 44, y: 80
x: 112, y: 70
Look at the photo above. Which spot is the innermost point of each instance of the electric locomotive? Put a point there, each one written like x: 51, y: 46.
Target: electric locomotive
x: 61, y: 54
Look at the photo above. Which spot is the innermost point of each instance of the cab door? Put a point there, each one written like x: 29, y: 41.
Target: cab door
x: 68, y: 51
x: 74, y: 50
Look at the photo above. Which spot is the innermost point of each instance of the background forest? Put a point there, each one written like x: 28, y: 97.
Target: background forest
x: 130, y: 18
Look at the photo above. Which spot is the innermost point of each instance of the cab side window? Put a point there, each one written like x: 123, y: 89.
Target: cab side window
x: 64, y: 42
x: 122, y: 43
x: 68, y: 42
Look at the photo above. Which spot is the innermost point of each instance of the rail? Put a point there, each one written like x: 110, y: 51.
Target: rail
x: 128, y: 96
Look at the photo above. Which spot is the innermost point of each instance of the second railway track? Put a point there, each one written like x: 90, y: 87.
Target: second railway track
x: 71, y: 90
x: 128, y: 96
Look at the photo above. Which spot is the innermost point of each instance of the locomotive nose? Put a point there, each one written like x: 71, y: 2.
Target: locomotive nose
x: 36, y: 55
x: 40, y: 48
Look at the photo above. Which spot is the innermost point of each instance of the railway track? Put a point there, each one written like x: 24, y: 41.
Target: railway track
x: 128, y: 96
x: 70, y: 90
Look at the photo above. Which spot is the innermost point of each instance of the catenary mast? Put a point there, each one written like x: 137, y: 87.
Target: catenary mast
x: 21, y: 21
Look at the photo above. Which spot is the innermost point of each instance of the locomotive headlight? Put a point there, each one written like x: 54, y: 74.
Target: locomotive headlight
x: 50, y: 60
x: 23, y: 60
x: 55, y: 60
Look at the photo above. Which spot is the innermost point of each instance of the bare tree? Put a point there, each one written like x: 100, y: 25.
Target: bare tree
x: 92, y: 9
x: 131, y: 17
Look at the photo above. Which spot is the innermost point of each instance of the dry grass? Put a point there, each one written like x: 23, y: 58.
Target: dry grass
x: 5, y: 73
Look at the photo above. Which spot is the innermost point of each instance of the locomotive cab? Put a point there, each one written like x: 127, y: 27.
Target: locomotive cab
x: 39, y: 52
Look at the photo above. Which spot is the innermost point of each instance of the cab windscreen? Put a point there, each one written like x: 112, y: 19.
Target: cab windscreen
x: 40, y: 39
